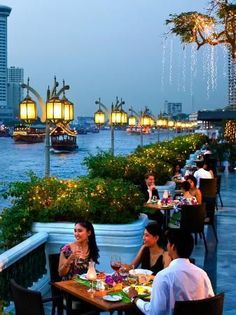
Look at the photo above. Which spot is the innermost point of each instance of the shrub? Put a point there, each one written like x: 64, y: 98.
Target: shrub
x: 159, y: 158
x: 98, y: 200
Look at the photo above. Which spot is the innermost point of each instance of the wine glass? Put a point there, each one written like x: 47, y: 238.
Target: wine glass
x: 115, y: 263
x: 78, y: 253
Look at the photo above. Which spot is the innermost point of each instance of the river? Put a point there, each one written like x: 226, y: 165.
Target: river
x: 17, y: 159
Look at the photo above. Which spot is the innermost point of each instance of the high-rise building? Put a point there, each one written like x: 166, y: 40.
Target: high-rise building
x: 173, y: 109
x: 5, y: 111
x: 15, y: 76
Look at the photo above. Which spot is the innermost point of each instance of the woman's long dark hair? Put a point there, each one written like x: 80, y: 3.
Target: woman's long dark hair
x: 154, y: 229
x: 93, y: 248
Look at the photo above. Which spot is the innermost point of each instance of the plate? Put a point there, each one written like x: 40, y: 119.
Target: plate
x: 100, y: 276
x: 141, y: 289
x: 83, y: 276
x: 112, y: 298
x: 136, y: 272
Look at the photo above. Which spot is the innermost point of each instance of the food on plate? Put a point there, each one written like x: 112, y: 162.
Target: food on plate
x: 101, y: 276
x: 116, y: 288
x: 141, y: 289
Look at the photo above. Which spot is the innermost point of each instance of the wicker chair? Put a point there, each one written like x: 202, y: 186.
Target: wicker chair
x: 27, y: 302
x: 192, y: 220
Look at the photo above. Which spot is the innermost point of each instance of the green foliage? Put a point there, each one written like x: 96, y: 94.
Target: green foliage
x: 216, y: 27
x: 158, y: 158
x: 187, y: 24
x: 99, y: 200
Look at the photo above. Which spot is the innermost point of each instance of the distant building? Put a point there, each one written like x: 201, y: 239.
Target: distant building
x: 193, y: 116
x: 15, y: 76
x: 85, y: 121
x: 173, y: 109
x: 6, y: 112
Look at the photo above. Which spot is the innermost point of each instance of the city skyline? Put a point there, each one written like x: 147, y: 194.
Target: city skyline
x: 110, y: 49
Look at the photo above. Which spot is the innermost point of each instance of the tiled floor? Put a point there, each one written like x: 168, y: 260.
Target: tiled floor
x: 220, y: 262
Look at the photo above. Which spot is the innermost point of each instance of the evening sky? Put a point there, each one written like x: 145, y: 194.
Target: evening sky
x: 109, y: 48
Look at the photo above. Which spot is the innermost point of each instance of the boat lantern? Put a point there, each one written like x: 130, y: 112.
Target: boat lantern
x: 28, y: 111
x: 132, y: 120
x: 99, y: 117
x: 55, y: 109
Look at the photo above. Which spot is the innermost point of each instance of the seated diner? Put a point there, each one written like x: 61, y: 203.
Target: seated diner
x: 151, y: 255
x: 75, y: 257
x: 180, y: 281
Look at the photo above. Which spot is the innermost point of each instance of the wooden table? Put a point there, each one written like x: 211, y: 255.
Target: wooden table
x: 80, y: 291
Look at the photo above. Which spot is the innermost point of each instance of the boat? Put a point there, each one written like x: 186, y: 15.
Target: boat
x: 4, y: 131
x: 137, y: 130
x: 28, y: 134
x: 81, y: 131
x: 63, y: 139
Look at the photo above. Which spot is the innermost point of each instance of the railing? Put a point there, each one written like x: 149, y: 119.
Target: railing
x: 25, y: 262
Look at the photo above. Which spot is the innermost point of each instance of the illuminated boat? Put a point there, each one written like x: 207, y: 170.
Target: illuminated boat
x: 28, y: 134
x: 63, y: 139
x: 137, y: 130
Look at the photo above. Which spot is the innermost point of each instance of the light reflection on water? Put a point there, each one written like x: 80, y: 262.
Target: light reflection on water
x: 17, y: 159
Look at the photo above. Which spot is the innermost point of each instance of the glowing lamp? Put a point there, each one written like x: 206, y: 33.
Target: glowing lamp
x: 145, y: 121
x: 171, y: 123
x: 28, y: 110
x: 55, y: 110
x: 99, y: 117
x: 132, y: 120
x: 159, y: 123
x: 116, y: 117
x: 124, y: 117
x: 68, y: 110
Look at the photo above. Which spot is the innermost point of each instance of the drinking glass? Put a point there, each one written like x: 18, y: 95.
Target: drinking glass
x: 115, y: 263
x: 78, y: 252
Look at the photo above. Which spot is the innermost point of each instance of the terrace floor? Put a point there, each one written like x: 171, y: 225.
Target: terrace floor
x: 220, y: 262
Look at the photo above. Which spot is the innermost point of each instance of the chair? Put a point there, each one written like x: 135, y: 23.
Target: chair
x: 208, y: 189
x: 192, y: 220
x: 209, y: 306
x: 53, y: 260
x: 218, y: 190
x: 70, y: 304
x: 27, y: 302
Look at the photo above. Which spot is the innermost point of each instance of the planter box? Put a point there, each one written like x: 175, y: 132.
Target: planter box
x: 112, y: 239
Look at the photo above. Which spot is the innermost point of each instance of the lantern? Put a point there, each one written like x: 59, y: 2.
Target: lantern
x: 28, y: 111
x: 55, y: 110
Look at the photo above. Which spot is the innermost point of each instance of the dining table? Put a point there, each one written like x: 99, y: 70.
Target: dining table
x: 165, y: 209
x: 80, y: 291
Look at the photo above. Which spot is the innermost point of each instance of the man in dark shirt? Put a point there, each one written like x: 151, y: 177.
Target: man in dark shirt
x: 149, y: 191
x: 148, y: 188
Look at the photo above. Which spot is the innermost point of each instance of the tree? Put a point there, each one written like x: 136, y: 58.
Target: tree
x: 217, y: 26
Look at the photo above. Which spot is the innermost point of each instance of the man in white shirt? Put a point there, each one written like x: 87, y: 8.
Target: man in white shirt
x: 180, y: 281
x: 201, y: 173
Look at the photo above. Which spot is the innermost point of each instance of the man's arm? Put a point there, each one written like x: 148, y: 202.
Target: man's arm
x: 159, y: 303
